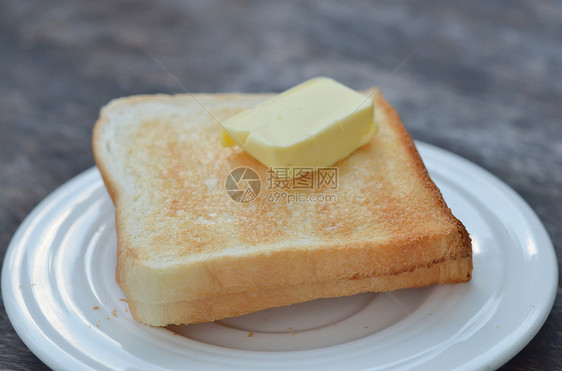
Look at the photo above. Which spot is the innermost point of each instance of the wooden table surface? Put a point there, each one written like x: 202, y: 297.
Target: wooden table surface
x: 480, y: 79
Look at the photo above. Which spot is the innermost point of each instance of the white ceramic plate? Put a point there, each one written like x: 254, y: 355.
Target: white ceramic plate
x: 60, y: 294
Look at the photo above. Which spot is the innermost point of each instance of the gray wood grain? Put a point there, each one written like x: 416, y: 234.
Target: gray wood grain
x: 483, y: 81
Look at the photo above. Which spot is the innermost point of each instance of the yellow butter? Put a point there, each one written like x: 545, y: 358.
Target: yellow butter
x: 314, y: 124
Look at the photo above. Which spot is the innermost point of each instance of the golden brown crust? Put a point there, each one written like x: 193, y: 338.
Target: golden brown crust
x: 392, y: 219
x: 406, y: 139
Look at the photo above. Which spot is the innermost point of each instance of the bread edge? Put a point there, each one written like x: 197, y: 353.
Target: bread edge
x: 466, y: 242
x: 230, y: 305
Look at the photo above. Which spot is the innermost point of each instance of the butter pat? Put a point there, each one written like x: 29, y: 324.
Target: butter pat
x: 314, y: 124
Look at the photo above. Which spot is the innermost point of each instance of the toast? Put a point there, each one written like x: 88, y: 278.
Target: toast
x: 188, y: 253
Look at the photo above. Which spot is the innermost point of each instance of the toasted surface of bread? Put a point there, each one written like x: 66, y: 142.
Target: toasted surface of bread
x: 182, y: 239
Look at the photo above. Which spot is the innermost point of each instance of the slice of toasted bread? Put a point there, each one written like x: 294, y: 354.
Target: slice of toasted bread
x: 182, y: 239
